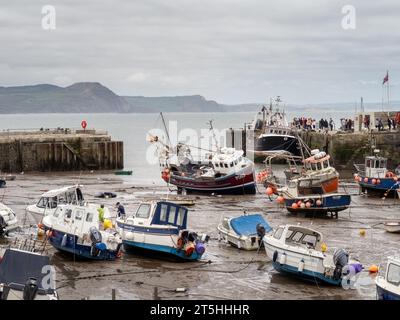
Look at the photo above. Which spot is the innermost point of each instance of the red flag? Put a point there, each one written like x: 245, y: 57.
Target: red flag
x: 386, y: 78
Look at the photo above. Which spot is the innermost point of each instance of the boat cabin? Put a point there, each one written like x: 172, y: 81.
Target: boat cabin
x: 228, y: 161
x: 375, y: 167
x: 317, y: 162
x: 160, y: 213
x: 298, y: 236
x: 67, y: 195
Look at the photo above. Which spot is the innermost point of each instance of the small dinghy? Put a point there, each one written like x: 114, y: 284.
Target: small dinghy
x: 161, y: 227
x: 21, y: 276
x: 387, y: 284
x: 244, y: 232
x: 8, y: 220
x: 105, y: 195
x: 393, y: 226
x: 76, y: 229
x: 123, y: 172
x: 299, y: 251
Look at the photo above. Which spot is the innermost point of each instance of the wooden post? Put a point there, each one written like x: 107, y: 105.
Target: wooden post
x: 113, y: 294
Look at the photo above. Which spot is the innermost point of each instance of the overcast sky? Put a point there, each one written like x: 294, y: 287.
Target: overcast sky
x: 230, y: 51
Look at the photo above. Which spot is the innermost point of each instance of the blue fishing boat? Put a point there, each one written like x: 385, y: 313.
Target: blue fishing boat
x: 373, y: 177
x: 76, y: 229
x: 324, y: 203
x: 161, y: 227
x: 244, y: 232
x: 388, y: 284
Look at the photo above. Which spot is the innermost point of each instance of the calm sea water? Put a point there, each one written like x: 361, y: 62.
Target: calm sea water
x: 133, y: 129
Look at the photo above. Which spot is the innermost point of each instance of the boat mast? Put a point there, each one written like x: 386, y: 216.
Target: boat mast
x: 165, y: 128
x: 210, y: 123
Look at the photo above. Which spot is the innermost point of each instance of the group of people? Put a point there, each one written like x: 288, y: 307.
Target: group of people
x: 346, y: 124
x: 391, y: 123
x: 120, y: 211
x: 311, y: 124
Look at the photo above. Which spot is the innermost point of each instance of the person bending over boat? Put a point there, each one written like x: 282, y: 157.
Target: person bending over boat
x: 120, y: 210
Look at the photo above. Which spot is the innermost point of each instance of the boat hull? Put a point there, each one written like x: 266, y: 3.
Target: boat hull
x: 160, y: 250
x: 239, y: 183
x: 267, y: 144
x: 245, y: 243
x: 329, y: 203
x: 383, y: 294
x: 386, y: 185
x: 83, y: 251
x: 392, y: 227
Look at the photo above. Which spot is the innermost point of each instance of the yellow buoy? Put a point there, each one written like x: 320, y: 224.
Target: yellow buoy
x: 40, y: 232
x: 107, y: 224
x: 373, y: 269
x: 324, y: 247
x: 362, y: 232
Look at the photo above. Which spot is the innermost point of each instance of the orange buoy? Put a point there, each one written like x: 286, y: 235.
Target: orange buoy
x: 269, y: 191
x: 280, y: 199
x: 49, y: 233
x: 360, y: 179
x: 302, y: 205
x: 378, y: 181
x: 373, y: 181
x: 366, y: 180
x: 294, y: 205
x: 299, y: 203
x: 308, y: 205
x: 189, y: 249
x: 40, y: 225
x: 373, y: 269
x: 318, y: 202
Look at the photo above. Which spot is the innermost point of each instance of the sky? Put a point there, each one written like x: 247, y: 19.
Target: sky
x: 230, y: 51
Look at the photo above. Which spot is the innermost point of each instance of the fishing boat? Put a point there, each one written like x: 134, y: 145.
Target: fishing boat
x: 160, y: 227
x: 76, y: 229
x: 300, y: 251
x: 22, y: 274
x: 392, y: 226
x: 374, y: 178
x: 313, y: 189
x: 388, y: 284
x: 8, y: 220
x: 270, y: 133
x: 244, y: 232
x: 49, y: 201
x: 225, y: 171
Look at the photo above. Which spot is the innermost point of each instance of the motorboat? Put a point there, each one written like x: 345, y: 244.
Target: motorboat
x: 388, y: 280
x: 224, y: 171
x: 160, y: 227
x: 392, y: 226
x: 300, y: 251
x: 8, y: 220
x: 374, y: 178
x: 244, y: 232
x: 49, y: 201
x: 270, y: 133
x: 77, y: 229
x: 26, y: 275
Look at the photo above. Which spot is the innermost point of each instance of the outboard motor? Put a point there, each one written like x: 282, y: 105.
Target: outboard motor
x: 30, y: 289
x: 3, y: 225
x: 260, y: 230
x: 340, y: 259
x: 95, y: 237
x: 192, y: 236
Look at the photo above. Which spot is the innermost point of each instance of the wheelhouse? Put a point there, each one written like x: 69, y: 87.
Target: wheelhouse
x: 228, y: 161
x: 375, y: 166
x: 67, y: 195
x: 298, y: 236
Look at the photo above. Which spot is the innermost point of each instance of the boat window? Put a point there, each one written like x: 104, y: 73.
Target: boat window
x: 393, y: 274
x: 89, y: 217
x: 278, y: 233
x: 42, y: 203
x: 68, y: 214
x: 143, y: 211
x: 171, y: 216
x: 231, y: 164
x: 181, y: 216
x: 221, y: 165
x: 368, y: 163
x: 79, y: 214
x: 310, y: 240
x: 163, y: 212
x: 216, y: 165
x: 383, y: 164
x: 62, y: 199
x: 236, y: 162
x: 297, y: 236
x: 226, y: 165
x: 288, y: 234
x: 52, y: 204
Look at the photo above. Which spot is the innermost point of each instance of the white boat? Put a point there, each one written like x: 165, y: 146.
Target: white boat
x: 388, y: 283
x: 392, y: 226
x: 298, y: 250
x: 76, y: 229
x: 161, y: 227
x: 8, y: 220
x: 49, y: 201
x: 244, y: 232
x: 26, y: 275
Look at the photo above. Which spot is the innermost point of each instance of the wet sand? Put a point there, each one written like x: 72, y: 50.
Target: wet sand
x: 224, y: 272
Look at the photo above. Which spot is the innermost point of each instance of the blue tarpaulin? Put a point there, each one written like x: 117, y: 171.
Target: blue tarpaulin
x: 246, y: 225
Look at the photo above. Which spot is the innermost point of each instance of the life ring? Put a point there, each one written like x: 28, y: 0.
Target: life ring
x: 275, y: 256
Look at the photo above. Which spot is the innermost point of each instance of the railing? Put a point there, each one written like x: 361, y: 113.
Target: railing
x: 59, y: 130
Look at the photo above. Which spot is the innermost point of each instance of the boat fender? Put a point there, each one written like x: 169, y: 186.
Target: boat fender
x: 192, y: 236
x: 189, y: 249
x: 179, y: 243
x: 64, y: 240
x: 301, y: 266
x: 101, y: 246
x: 282, y: 259
x: 275, y: 256
x: 200, y: 248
